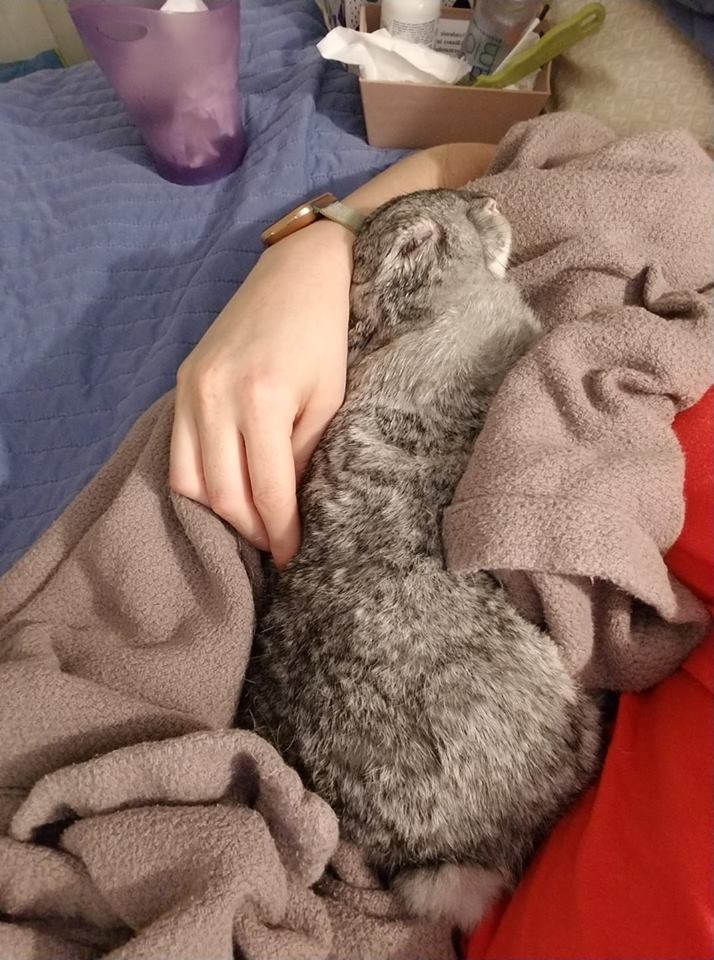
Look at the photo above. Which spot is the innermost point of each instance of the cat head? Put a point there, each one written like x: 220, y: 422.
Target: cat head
x: 411, y: 247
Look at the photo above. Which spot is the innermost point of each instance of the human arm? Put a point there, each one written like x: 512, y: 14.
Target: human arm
x: 256, y: 393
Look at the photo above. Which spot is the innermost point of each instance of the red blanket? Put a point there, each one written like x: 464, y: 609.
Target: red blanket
x: 628, y: 873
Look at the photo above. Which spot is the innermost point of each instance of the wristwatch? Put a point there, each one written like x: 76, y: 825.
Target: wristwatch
x: 323, y: 206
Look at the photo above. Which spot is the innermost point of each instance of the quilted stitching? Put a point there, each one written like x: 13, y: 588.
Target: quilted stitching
x: 109, y: 275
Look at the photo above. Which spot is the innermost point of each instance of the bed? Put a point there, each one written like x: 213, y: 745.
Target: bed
x: 109, y: 275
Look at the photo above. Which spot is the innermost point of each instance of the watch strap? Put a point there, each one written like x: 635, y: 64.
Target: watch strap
x: 326, y: 205
x: 342, y: 214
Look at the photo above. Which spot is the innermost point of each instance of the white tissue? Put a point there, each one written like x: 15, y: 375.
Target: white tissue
x: 380, y: 56
x: 183, y: 6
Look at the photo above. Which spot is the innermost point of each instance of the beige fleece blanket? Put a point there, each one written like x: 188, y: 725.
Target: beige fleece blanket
x: 134, y: 823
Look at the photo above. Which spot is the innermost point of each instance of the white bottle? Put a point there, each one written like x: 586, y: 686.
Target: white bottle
x: 415, y: 20
x: 495, y: 29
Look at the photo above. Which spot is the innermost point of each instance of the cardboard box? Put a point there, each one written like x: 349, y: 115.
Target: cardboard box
x: 414, y: 115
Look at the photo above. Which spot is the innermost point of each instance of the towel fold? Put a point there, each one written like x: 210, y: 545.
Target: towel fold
x: 574, y: 490
x: 133, y: 821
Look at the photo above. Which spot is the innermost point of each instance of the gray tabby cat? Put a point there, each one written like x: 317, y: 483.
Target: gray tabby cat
x: 441, y: 726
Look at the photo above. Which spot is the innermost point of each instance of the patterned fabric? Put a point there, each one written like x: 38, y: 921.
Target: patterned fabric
x: 109, y: 274
x: 638, y: 73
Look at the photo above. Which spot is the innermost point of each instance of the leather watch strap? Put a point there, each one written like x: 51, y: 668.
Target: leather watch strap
x: 326, y: 205
x: 341, y: 213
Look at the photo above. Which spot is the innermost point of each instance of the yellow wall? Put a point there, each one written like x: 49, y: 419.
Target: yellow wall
x: 28, y: 27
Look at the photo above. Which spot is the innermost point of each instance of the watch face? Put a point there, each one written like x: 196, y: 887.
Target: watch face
x: 299, y: 217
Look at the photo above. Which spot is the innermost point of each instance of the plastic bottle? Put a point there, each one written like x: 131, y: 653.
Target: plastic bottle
x: 415, y: 20
x: 495, y: 29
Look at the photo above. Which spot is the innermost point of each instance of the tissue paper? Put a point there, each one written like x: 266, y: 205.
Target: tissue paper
x: 183, y: 6
x: 380, y: 56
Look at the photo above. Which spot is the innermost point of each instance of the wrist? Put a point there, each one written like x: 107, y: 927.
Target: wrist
x: 325, y: 243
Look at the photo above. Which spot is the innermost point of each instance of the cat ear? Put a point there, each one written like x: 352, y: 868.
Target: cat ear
x: 483, y: 212
x: 416, y: 246
x: 481, y: 205
x: 419, y: 237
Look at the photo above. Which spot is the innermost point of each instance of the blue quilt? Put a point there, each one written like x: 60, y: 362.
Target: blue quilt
x: 695, y: 18
x: 109, y: 275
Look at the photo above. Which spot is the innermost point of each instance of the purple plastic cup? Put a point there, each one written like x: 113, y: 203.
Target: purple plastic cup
x: 177, y: 75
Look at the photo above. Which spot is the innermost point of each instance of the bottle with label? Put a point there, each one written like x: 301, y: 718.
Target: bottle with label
x: 415, y: 20
x: 495, y: 29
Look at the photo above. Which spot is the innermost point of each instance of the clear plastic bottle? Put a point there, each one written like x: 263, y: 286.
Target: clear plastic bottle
x: 415, y: 20
x: 495, y: 29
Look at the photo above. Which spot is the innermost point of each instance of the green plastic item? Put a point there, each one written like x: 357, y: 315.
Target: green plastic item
x: 557, y: 40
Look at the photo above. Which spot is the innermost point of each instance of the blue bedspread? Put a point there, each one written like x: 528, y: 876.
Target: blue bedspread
x: 109, y: 275
x: 695, y: 18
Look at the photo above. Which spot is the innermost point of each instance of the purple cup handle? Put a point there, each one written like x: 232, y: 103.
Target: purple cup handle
x: 122, y: 32
x: 177, y: 75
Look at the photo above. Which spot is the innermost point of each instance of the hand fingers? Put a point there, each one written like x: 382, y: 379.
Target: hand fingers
x: 185, y: 466
x: 227, y: 478
x: 272, y: 478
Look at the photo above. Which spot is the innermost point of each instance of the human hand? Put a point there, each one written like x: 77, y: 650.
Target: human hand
x: 255, y: 395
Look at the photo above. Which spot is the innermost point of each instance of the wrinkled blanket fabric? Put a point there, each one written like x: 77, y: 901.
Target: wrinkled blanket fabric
x: 134, y: 822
